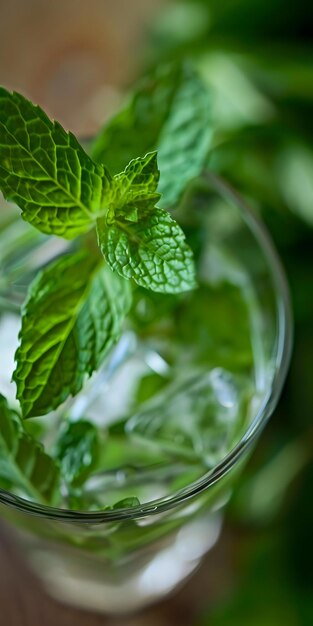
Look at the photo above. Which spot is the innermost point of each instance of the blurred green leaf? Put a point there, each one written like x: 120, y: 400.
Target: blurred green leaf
x: 24, y: 465
x: 77, y: 450
x: 295, y: 179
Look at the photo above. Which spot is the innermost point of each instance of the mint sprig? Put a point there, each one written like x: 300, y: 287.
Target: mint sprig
x: 76, y: 306
x: 61, y: 191
x: 71, y: 318
x: 141, y: 241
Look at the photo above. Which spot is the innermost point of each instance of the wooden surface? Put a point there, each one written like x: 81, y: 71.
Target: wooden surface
x: 24, y: 603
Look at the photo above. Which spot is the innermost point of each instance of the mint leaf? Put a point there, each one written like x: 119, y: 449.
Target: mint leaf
x: 72, y: 316
x: 135, y: 187
x: 45, y: 171
x: 141, y: 241
x: 77, y: 450
x: 153, y: 251
x: 24, y: 465
x: 185, y: 139
x: 170, y: 113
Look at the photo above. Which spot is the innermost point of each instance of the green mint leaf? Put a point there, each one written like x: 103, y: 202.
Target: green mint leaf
x: 135, y: 187
x: 140, y: 241
x: 77, y: 450
x: 72, y: 316
x: 171, y: 113
x: 24, y: 465
x: 153, y: 251
x: 45, y: 171
x: 185, y: 139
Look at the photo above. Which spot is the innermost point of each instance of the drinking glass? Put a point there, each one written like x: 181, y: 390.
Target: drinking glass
x: 128, y: 555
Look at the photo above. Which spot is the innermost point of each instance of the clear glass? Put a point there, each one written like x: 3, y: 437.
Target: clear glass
x: 121, y: 559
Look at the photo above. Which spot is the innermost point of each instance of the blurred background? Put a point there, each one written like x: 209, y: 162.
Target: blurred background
x: 77, y: 59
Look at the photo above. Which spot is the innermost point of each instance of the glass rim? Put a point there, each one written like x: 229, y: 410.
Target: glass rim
x: 283, y: 347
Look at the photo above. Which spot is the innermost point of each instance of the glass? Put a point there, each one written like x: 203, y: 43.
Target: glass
x: 120, y: 559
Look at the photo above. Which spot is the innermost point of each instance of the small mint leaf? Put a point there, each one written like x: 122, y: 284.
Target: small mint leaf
x: 45, y: 171
x: 139, y: 180
x: 77, y: 450
x: 71, y: 318
x: 152, y: 252
x: 170, y: 112
x: 135, y: 187
x: 24, y: 465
